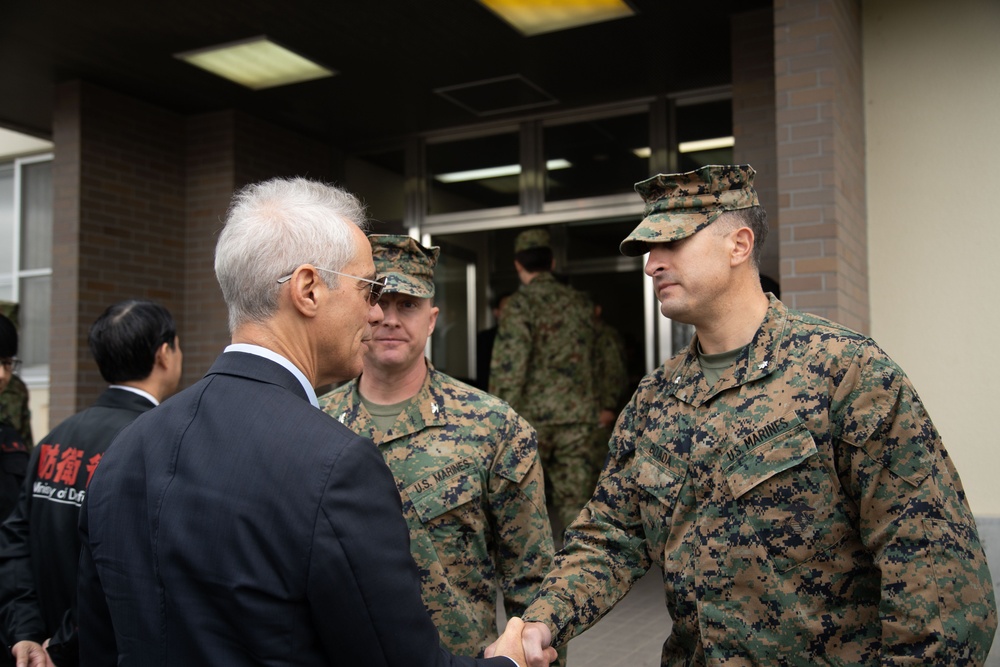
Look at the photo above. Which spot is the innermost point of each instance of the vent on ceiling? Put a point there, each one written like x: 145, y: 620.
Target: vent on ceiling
x: 500, y: 95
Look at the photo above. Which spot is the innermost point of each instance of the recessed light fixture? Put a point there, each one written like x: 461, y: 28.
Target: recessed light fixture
x: 256, y: 63
x: 532, y: 17
x: 495, y: 172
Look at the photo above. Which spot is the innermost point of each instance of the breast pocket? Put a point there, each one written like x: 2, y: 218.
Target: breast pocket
x: 660, y: 477
x: 789, y: 497
x: 448, y: 523
x: 457, y: 495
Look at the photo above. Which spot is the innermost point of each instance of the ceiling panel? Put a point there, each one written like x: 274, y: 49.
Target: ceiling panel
x: 391, y: 57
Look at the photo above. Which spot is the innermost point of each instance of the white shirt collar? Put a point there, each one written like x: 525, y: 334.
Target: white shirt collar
x: 135, y: 390
x: 278, y: 359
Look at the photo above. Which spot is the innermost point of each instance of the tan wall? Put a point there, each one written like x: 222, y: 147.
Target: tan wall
x: 932, y: 94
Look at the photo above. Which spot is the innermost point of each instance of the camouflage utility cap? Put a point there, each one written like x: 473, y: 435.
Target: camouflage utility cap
x: 407, y: 265
x: 532, y: 238
x: 678, y: 205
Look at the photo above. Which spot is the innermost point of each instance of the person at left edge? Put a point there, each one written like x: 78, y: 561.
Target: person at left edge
x: 14, y: 398
x: 13, y: 450
x: 138, y: 352
x: 239, y: 525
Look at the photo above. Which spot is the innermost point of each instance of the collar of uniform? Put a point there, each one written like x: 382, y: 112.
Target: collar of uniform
x: 352, y: 415
x: 542, y: 277
x: 426, y: 409
x: 687, y: 383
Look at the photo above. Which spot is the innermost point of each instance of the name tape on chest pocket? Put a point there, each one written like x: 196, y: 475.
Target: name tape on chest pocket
x: 766, y: 451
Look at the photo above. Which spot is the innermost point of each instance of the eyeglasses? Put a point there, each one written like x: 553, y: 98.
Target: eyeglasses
x: 12, y: 364
x: 377, y: 285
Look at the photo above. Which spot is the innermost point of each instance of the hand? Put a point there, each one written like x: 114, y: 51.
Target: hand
x: 530, y: 651
x: 536, y: 640
x: 30, y: 654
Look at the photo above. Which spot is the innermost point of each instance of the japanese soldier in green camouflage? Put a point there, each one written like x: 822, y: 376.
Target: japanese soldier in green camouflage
x: 542, y: 364
x: 782, y: 472
x: 465, y: 463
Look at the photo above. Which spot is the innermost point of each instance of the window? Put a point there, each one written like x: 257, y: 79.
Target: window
x: 26, y: 255
x: 600, y: 156
x: 474, y: 173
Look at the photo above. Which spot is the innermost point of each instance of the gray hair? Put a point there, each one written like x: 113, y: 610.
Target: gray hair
x: 274, y: 227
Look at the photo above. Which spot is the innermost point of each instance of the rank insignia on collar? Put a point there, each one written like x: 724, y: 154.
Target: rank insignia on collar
x: 762, y: 365
x: 434, y: 408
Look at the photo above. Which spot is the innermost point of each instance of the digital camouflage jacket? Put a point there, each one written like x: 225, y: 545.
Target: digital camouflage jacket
x: 803, y: 509
x: 467, y: 470
x: 543, y: 356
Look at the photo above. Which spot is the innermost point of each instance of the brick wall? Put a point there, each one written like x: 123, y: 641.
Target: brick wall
x: 753, y: 118
x: 118, y: 228
x: 225, y: 151
x: 210, y: 165
x: 820, y: 146
x: 141, y: 194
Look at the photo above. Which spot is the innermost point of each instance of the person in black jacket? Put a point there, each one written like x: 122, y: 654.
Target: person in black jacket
x: 13, y: 449
x: 138, y: 352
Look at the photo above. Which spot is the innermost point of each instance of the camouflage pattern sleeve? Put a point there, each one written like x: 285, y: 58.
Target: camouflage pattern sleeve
x: 610, y: 371
x: 937, y: 602
x: 15, y: 411
x: 606, y: 549
x: 511, y: 353
x: 518, y: 517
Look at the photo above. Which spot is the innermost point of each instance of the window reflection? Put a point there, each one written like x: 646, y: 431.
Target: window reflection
x: 601, y: 157
x: 699, y: 122
x: 477, y: 173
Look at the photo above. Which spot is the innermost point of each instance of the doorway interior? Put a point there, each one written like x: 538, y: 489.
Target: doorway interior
x: 477, y: 266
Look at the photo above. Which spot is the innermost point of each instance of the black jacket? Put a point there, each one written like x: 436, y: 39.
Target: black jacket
x: 39, y: 541
x: 237, y: 525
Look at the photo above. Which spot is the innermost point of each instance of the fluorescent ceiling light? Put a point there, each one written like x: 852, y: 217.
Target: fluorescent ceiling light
x: 256, y: 63
x: 643, y: 153
x: 706, y: 144
x: 534, y: 17
x: 495, y: 172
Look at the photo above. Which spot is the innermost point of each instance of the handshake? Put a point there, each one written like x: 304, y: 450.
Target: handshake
x: 527, y: 644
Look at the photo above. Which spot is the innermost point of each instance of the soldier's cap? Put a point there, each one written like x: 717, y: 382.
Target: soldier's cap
x: 532, y: 238
x: 407, y: 266
x: 678, y: 205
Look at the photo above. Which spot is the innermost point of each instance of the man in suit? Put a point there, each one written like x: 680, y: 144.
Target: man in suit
x: 138, y: 353
x: 238, y: 524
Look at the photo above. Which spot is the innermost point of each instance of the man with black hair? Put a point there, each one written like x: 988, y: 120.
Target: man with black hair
x: 137, y: 350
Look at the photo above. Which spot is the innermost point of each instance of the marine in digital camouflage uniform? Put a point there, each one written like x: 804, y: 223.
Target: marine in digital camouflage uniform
x: 802, y: 505
x: 543, y: 365
x: 465, y: 463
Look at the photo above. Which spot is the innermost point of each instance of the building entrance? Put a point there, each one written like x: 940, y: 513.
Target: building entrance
x: 476, y: 268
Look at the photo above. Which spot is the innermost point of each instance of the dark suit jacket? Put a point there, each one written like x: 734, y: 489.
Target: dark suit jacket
x: 39, y: 542
x: 237, y: 525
